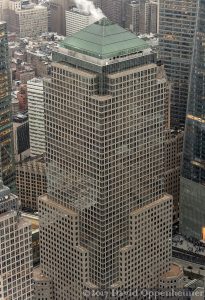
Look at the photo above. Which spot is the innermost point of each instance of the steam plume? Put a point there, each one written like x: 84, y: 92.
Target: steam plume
x: 88, y: 7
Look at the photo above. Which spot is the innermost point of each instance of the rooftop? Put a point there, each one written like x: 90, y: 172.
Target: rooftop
x: 175, y: 271
x: 104, y: 39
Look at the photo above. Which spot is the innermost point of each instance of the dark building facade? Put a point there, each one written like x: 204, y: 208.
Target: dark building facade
x: 193, y: 172
x: 6, y: 137
x: 176, y: 29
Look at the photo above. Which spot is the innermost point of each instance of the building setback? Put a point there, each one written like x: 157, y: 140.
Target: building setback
x: 192, y: 218
x: 31, y: 181
x: 105, y: 130
x: 6, y: 145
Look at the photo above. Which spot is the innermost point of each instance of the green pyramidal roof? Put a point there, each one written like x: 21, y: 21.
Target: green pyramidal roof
x: 104, y: 39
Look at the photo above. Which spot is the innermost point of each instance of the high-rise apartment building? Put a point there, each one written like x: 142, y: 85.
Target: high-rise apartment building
x: 76, y: 20
x: 36, y: 114
x: 6, y: 145
x: 177, y: 26
x: 105, y: 222
x: 16, y: 250
x: 193, y: 171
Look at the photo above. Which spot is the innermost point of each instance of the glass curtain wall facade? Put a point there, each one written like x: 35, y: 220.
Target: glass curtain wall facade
x: 193, y: 172
x: 6, y: 129
x: 177, y: 27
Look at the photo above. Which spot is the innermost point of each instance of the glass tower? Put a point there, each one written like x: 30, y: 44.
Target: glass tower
x: 176, y: 34
x: 193, y: 172
x: 6, y: 144
x: 106, y: 221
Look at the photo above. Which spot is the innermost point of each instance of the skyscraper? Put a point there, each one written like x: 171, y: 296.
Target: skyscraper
x: 6, y: 146
x: 105, y: 222
x: 177, y: 26
x: 15, y: 248
x: 193, y: 171
x: 142, y: 17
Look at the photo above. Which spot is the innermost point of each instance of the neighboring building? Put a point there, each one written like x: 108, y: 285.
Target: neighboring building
x: 177, y: 26
x: 105, y: 222
x: 31, y: 181
x: 28, y: 20
x: 34, y: 221
x: 132, y: 16
x: 16, y: 250
x: 173, y: 160
x: 43, y: 288
x: 36, y: 114
x: 57, y: 9
x: 39, y: 52
x: 24, y: 74
x: 6, y: 145
x: 21, y: 137
x: 142, y: 17
x: 22, y: 98
x: 40, y: 62
x: 77, y: 20
x: 192, y: 217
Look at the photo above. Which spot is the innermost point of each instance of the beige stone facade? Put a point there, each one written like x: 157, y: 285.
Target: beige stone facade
x: 106, y: 221
x: 31, y: 181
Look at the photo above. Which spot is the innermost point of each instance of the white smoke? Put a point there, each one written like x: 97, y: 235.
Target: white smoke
x: 88, y: 7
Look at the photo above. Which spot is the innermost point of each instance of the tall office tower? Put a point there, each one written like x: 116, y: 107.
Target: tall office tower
x: 132, y: 16
x: 15, y: 248
x: 105, y: 222
x: 36, y: 114
x: 193, y: 171
x: 76, y: 20
x: 6, y: 146
x: 177, y: 26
